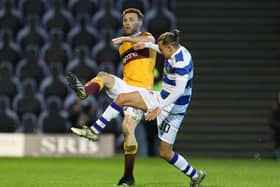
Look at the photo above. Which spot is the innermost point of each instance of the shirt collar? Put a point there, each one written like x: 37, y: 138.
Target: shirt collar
x: 136, y: 34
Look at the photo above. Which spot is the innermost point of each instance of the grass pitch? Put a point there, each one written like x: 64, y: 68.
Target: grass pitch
x: 149, y: 172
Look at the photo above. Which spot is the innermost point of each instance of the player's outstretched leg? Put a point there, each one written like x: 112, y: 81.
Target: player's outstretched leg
x: 91, y: 133
x: 196, y: 182
x: 166, y: 152
x: 76, y: 85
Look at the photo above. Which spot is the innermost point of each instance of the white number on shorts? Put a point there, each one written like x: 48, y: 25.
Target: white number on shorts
x: 164, y: 127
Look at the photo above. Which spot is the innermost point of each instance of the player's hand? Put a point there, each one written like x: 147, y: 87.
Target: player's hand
x: 119, y: 40
x: 139, y: 45
x: 151, y: 115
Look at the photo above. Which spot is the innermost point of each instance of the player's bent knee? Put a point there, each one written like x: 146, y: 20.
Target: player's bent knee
x: 128, y: 126
x: 126, y: 131
x: 104, y: 76
x: 107, y: 78
x: 102, y: 73
x: 120, y: 99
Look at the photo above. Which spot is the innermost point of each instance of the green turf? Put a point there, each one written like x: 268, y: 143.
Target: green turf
x: 150, y: 172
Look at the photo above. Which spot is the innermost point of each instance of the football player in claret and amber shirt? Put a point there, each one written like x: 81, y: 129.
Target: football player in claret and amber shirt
x: 138, y: 70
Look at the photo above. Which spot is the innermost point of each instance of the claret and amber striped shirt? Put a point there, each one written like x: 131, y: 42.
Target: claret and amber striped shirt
x: 138, y: 65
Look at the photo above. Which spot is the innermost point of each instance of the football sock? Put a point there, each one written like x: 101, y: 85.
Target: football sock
x: 110, y: 113
x: 182, y: 164
x: 129, y: 159
x: 94, y: 85
x: 129, y: 164
x: 130, y: 149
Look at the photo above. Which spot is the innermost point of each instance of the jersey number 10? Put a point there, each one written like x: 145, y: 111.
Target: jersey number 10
x: 164, y: 127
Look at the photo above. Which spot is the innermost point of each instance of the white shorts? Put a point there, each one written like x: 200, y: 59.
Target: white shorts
x: 168, y: 124
x: 122, y: 87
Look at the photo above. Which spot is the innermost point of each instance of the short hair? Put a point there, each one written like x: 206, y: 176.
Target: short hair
x: 170, y: 38
x: 133, y: 10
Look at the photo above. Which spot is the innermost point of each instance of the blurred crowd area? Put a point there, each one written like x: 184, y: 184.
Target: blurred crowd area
x: 41, y: 40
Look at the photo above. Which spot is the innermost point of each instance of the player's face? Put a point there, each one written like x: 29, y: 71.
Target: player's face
x: 131, y: 23
x: 166, y: 50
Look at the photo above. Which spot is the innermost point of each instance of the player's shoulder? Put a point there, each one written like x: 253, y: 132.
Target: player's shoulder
x: 182, y: 55
x: 145, y: 33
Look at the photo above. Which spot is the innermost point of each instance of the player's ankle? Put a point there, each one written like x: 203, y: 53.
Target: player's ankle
x: 195, y: 177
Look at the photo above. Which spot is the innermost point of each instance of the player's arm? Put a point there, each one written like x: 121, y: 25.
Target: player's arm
x: 178, y: 91
x: 171, y: 98
x: 182, y: 72
x: 142, y: 45
x: 144, y: 37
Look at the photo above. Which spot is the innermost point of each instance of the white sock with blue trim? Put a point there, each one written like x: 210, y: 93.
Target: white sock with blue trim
x: 111, y: 112
x: 182, y: 164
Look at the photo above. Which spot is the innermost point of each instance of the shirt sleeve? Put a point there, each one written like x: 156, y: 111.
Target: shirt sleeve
x: 181, y: 74
x: 178, y: 91
x: 145, y: 34
x: 152, y: 46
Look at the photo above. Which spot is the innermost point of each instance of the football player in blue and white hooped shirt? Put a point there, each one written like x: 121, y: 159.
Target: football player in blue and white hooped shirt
x: 168, y: 105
